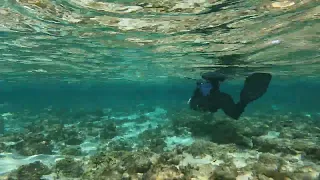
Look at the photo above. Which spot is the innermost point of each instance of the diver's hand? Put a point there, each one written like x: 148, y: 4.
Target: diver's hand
x: 189, y: 101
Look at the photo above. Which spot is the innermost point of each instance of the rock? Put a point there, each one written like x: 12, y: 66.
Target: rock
x: 3, y: 147
x: 33, y: 144
x: 142, y: 164
x: 32, y: 171
x: 202, y: 147
x: 109, y: 131
x: 164, y: 173
x: 273, y: 145
x: 224, y: 172
x: 313, y: 152
x: 69, y: 167
x: 126, y: 176
x: 72, y: 151
x: 114, y: 164
x: 153, y: 139
x: 219, y: 131
x: 1, y: 126
x: 306, y: 173
x: 138, y: 163
x: 74, y: 141
x: 271, y: 166
x: 120, y: 145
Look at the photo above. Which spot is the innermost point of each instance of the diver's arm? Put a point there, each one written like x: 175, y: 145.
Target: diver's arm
x: 194, y: 100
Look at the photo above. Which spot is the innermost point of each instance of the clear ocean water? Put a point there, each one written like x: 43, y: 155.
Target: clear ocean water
x: 98, y: 89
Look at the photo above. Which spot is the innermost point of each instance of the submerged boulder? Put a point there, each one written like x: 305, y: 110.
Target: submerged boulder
x: 72, y: 151
x: 32, y: 171
x: 1, y: 126
x: 68, y: 167
x: 109, y: 131
x: 32, y: 144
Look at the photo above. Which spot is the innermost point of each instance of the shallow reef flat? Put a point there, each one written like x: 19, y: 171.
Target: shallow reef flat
x: 158, y: 144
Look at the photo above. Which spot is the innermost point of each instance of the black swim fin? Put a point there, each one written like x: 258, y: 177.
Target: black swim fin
x: 254, y: 87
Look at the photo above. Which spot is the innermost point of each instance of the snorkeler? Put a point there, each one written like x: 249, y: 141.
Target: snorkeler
x: 207, y: 96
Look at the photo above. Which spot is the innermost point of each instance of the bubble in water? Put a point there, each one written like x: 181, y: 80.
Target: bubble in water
x: 277, y: 41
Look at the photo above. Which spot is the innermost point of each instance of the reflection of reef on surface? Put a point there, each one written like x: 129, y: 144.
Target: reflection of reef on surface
x: 161, y: 145
x: 179, y: 35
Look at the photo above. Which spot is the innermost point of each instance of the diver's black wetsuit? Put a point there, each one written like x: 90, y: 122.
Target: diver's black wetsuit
x: 216, y: 100
x: 208, y: 97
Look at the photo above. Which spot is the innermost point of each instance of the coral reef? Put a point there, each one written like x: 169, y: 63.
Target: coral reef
x: 222, y: 131
x: 109, y: 131
x: 71, y: 151
x: 114, y: 164
x: 68, y: 167
x: 69, y: 136
x: 32, y: 171
x: 203, y: 147
x: 153, y: 139
x: 32, y: 144
x: 255, y: 147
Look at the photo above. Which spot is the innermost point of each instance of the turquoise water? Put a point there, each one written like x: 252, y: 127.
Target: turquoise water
x: 299, y: 96
x: 99, y: 89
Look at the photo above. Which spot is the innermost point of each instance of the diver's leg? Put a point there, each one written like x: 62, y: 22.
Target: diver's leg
x: 255, y: 86
x: 234, y: 110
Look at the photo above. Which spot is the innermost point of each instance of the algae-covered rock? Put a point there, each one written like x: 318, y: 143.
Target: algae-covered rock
x: 3, y: 147
x: 33, y: 144
x: 1, y: 125
x: 164, y: 173
x: 68, y: 167
x: 114, y: 164
x: 270, y: 165
x: 91, y: 131
x: 313, y: 152
x: 221, y: 131
x: 153, y: 139
x: 120, y: 145
x: 74, y: 141
x: 225, y: 172
x: 288, y: 146
x: 72, y: 151
x: 32, y: 171
x: 170, y: 158
x: 11, y: 137
x: 137, y: 162
x: 69, y: 135
x: 109, y: 131
x: 202, y: 147
x: 35, y: 127
x: 225, y: 132
x: 126, y: 176
x: 104, y: 165
x: 306, y: 172
x: 274, y: 145
x: 56, y: 133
